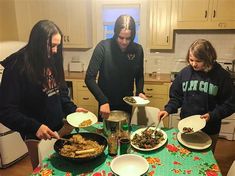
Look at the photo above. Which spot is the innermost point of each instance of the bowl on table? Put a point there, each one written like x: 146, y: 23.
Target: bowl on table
x: 129, y: 164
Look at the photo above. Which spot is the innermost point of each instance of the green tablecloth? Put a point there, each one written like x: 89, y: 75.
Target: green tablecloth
x: 169, y: 160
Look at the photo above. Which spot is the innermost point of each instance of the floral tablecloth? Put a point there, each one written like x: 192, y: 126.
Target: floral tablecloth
x: 172, y: 159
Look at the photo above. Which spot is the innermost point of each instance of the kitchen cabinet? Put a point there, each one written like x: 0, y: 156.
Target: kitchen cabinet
x: 227, y: 130
x: 73, y: 18
x: 156, y: 89
x: 7, y: 21
x: 158, y: 94
x: 82, y: 97
x: 205, y: 14
x: 161, y: 32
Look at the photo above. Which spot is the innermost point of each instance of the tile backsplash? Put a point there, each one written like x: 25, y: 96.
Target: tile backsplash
x: 165, y: 62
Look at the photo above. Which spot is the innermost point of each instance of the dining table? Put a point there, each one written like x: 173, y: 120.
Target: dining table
x: 171, y: 159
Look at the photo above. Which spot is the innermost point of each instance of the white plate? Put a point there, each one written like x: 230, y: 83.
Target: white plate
x: 197, y: 141
x: 150, y: 149
x: 139, y: 101
x: 76, y: 118
x: 129, y: 164
x: 195, y: 122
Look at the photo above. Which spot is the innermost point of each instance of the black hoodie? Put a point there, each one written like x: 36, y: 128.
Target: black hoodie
x: 24, y: 106
x: 117, y: 72
x: 199, y: 92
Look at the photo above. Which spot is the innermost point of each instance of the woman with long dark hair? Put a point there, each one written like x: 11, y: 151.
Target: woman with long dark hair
x: 34, y: 96
x: 119, y: 62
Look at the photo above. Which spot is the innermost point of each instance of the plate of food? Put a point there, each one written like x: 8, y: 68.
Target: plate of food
x: 136, y: 101
x: 191, y: 124
x: 148, y: 140
x: 81, y: 119
x: 198, y: 140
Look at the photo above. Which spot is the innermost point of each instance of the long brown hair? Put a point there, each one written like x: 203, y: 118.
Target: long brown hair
x: 203, y: 50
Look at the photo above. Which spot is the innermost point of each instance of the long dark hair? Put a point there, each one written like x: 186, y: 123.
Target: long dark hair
x: 125, y: 22
x: 38, y: 54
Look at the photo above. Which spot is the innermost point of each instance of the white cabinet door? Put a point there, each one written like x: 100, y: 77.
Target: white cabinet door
x: 193, y: 10
x: 206, y: 14
x: 161, y: 33
x: 79, y: 24
x: 223, y: 10
x: 73, y: 17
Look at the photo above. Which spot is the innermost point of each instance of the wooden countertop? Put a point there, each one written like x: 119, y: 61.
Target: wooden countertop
x: 74, y: 75
x: 148, y: 77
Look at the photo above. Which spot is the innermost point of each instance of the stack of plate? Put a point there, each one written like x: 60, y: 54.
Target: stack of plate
x: 196, y: 139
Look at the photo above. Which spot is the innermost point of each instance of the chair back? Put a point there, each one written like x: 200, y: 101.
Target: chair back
x: 231, y: 171
x: 45, y: 147
x: 145, y: 115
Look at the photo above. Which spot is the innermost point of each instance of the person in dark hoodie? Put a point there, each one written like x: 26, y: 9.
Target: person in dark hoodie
x: 203, y: 87
x: 119, y: 61
x: 33, y: 92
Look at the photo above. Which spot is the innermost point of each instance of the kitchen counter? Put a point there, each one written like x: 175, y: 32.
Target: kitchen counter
x: 148, y: 77
x: 74, y: 75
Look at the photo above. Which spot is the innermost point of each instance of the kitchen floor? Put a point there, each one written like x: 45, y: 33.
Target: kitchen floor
x: 224, y: 155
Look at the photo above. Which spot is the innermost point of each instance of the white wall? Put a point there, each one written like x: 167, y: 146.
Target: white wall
x: 224, y: 43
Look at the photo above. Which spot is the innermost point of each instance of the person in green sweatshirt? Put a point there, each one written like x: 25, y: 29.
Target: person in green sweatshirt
x: 202, y: 88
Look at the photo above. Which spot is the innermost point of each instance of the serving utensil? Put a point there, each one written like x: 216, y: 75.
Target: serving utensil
x: 149, y: 126
x: 85, y: 151
x: 153, y: 134
x: 64, y: 139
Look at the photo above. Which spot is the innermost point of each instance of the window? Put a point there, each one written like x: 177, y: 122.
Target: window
x: 110, y: 14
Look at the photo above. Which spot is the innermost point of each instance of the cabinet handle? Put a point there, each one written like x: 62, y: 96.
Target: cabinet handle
x: 214, y: 13
x: 64, y: 38
x: 149, y: 96
x: 149, y: 89
x: 84, y: 86
x: 67, y: 38
x: 167, y: 39
x: 205, y: 13
x: 85, y: 98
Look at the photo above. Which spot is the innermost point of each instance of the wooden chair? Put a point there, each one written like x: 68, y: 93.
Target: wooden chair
x: 45, y: 147
x: 231, y: 171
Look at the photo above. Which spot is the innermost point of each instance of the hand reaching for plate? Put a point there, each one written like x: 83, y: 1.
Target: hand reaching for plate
x: 81, y: 110
x: 142, y: 96
x: 206, y: 117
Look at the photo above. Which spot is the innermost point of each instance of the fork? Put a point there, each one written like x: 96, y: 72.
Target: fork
x: 149, y: 126
x: 153, y: 134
